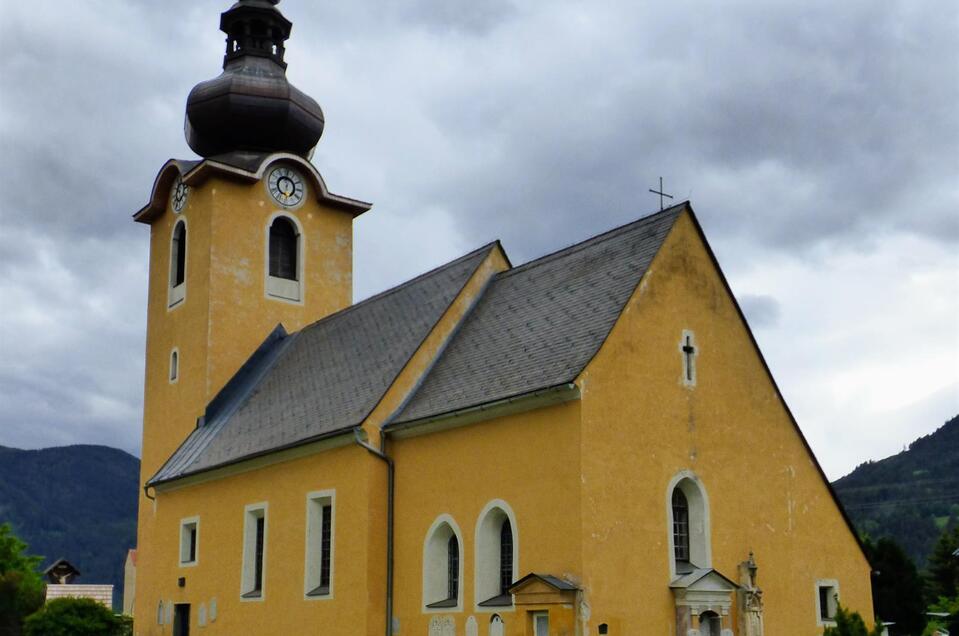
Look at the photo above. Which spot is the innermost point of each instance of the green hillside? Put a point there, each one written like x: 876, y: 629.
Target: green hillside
x: 73, y: 502
x: 910, y: 497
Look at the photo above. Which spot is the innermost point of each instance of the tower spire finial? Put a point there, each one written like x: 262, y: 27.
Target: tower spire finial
x: 251, y: 106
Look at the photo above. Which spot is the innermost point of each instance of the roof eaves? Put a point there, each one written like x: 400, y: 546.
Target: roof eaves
x: 347, y: 430
x: 401, y: 286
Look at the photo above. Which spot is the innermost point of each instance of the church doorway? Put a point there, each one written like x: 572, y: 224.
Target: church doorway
x: 710, y: 624
x: 181, y: 619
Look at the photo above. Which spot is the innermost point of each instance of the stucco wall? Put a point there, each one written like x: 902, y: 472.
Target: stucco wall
x: 530, y: 461
x: 642, y: 426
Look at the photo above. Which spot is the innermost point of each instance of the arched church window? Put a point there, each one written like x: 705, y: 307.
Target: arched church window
x: 178, y: 261
x: 688, y: 517
x: 442, y: 565
x: 680, y: 526
x: 496, y: 555
x: 453, y: 568
x: 177, y: 289
x: 505, y: 557
x: 283, y: 249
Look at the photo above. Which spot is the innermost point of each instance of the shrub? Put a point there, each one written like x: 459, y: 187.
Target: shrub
x: 851, y: 624
x: 74, y: 617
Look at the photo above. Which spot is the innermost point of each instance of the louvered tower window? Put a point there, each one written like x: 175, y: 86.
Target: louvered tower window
x: 283, y: 248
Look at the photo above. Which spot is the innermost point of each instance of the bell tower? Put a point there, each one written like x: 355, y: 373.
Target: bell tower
x: 242, y: 239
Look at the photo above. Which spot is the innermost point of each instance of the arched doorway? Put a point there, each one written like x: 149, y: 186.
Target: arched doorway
x: 710, y: 624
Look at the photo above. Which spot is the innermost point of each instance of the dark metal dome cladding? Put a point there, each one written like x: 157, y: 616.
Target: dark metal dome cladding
x: 251, y: 106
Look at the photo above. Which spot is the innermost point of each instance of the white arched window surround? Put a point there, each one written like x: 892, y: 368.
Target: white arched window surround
x: 486, y: 564
x: 436, y: 562
x: 283, y: 289
x: 176, y: 292
x: 700, y: 544
x: 174, y: 365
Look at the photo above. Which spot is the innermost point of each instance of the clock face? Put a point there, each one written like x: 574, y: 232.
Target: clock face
x: 180, y: 192
x: 286, y: 186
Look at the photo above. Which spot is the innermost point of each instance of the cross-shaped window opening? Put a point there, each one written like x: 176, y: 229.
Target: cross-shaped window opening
x: 688, y: 347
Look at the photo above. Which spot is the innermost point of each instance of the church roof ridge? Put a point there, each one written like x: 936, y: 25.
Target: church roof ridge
x: 598, y: 238
x: 538, y: 325
x: 400, y: 287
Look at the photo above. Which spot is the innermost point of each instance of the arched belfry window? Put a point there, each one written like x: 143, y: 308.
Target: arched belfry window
x: 283, y: 259
x: 496, y: 555
x: 688, y: 512
x: 178, y: 263
x: 442, y: 565
x: 283, y: 249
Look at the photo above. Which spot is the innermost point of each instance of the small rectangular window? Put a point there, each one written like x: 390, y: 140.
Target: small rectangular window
x: 827, y: 601
x: 254, y: 551
x: 319, y: 544
x: 541, y: 624
x: 189, y: 537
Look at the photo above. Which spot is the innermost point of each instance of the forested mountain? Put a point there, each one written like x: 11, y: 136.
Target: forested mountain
x: 910, y: 497
x: 73, y: 502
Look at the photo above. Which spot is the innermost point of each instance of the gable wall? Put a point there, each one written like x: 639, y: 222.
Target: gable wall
x: 529, y: 460
x: 641, y: 427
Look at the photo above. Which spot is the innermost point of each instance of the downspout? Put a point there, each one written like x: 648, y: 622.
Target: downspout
x: 389, y: 520
x: 146, y: 494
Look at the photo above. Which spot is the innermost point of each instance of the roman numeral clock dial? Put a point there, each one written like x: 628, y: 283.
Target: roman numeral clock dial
x: 286, y: 187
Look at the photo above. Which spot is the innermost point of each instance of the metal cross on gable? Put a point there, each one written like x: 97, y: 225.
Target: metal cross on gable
x: 661, y: 193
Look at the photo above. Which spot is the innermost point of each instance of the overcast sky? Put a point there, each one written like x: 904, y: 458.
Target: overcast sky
x: 818, y: 142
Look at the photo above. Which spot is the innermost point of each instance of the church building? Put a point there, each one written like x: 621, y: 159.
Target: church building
x: 587, y: 443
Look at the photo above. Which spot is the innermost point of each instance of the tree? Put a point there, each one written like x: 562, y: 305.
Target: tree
x: 949, y: 606
x: 851, y: 624
x: 21, y: 589
x: 943, y: 577
x: 74, y: 617
x: 896, y: 587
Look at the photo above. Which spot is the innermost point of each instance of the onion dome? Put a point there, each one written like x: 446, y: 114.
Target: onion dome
x: 251, y: 106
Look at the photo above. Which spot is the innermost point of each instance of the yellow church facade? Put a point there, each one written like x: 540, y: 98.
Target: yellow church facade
x: 588, y: 443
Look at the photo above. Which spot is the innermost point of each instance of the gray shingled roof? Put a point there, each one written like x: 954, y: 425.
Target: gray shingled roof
x: 323, y: 379
x: 538, y: 325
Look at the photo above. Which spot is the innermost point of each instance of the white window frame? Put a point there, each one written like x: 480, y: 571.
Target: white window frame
x: 281, y: 289
x: 689, y: 374
x: 486, y: 566
x: 251, y: 512
x: 436, y: 564
x: 700, y: 537
x: 313, y: 573
x: 833, y: 601
x: 185, y: 525
x: 174, y: 374
x: 536, y: 617
x: 176, y: 295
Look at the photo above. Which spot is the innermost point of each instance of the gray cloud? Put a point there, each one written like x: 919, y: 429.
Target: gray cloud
x: 762, y: 312
x: 807, y: 135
